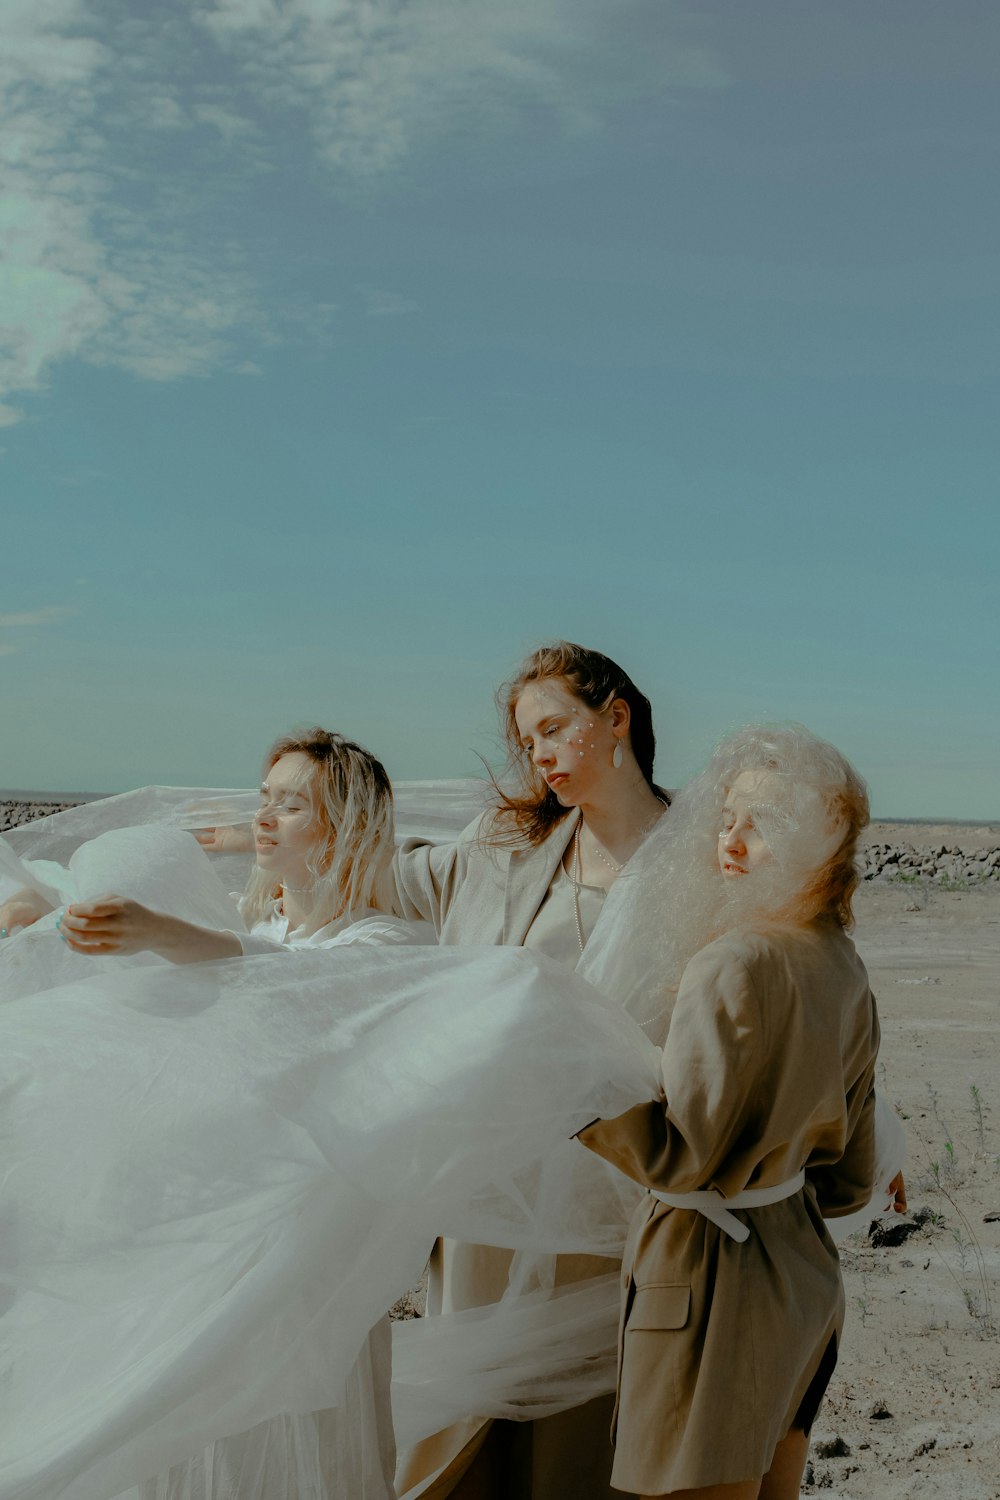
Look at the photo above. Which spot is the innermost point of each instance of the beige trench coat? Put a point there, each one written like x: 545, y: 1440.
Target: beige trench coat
x: 473, y: 892
x: 768, y: 1069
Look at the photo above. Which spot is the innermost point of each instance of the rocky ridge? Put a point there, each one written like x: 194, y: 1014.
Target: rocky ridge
x: 944, y: 864
x: 14, y: 814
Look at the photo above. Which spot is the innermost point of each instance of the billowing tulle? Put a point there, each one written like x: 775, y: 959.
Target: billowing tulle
x: 529, y: 1357
x: 221, y: 1175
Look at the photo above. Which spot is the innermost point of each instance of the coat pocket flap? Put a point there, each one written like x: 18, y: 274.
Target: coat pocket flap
x: 659, y: 1307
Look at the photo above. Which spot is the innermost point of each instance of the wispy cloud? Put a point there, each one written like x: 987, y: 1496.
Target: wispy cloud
x: 25, y: 619
x: 383, y: 304
x: 99, y: 260
x: 377, y: 80
x: 44, y: 616
x: 121, y: 144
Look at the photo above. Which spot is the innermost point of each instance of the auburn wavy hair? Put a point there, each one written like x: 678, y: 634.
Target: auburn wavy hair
x: 530, y: 810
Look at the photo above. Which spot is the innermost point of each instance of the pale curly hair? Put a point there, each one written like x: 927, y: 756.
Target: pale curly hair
x: 809, y: 806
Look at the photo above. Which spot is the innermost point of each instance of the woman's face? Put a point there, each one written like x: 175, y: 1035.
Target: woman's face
x: 286, y: 828
x: 741, y: 847
x: 569, y: 743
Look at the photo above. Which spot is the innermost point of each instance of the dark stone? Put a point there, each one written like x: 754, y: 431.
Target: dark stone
x: 888, y: 1236
x: 832, y: 1448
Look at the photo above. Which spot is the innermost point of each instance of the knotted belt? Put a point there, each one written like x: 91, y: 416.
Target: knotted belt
x: 717, y: 1207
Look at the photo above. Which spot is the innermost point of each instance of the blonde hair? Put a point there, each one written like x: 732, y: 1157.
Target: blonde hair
x: 351, y: 799
x: 529, y: 813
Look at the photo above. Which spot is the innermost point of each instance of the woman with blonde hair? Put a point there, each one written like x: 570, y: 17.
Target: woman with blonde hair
x: 733, y: 1303
x: 322, y: 837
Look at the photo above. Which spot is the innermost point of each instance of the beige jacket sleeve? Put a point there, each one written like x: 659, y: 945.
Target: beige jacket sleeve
x: 766, y: 1069
x: 712, y: 1076
x: 845, y: 1185
x: 425, y: 878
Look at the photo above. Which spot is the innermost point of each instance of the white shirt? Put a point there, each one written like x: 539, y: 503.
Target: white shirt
x: 272, y: 932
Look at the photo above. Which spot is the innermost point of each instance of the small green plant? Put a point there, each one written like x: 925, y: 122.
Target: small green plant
x: 935, y: 1111
x: 977, y: 1105
x: 977, y: 1300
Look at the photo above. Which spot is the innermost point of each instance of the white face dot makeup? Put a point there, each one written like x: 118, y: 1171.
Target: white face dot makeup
x: 556, y: 733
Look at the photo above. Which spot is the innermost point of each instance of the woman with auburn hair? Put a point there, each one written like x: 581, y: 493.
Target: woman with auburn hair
x: 534, y: 871
x: 733, y: 1303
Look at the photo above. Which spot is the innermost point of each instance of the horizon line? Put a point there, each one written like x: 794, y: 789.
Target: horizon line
x: 77, y: 798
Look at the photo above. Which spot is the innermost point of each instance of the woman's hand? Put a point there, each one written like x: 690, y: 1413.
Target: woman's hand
x: 112, y: 924
x: 21, y: 910
x: 116, y: 925
x: 234, y: 839
x: 897, y: 1193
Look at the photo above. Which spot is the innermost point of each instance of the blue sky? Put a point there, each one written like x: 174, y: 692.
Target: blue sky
x: 352, y: 349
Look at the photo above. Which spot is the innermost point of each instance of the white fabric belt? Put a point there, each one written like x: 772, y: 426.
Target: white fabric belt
x: 715, y: 1206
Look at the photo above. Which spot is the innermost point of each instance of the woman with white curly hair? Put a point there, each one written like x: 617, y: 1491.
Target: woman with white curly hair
x: 733, y: 1302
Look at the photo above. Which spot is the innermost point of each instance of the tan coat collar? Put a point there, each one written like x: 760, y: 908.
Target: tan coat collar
x: 529, y: 875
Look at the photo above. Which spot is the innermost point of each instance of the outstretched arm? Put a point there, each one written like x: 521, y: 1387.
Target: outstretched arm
x: 115, y: 925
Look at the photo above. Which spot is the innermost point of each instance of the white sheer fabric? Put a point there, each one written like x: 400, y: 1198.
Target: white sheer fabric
x: 343, y: 1453
x: 223, y: 1174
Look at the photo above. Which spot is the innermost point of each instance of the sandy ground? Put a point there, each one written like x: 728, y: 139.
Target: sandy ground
x: 914, y: 1409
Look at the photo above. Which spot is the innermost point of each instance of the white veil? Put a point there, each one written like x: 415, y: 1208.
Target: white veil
x: 220, y: 1175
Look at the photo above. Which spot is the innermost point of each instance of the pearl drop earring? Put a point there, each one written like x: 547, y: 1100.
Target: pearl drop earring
x: 618, y: 757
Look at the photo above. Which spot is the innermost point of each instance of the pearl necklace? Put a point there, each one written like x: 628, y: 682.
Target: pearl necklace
x: 577, y: 877
x: 606, y: 859
x: 577, y: 880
